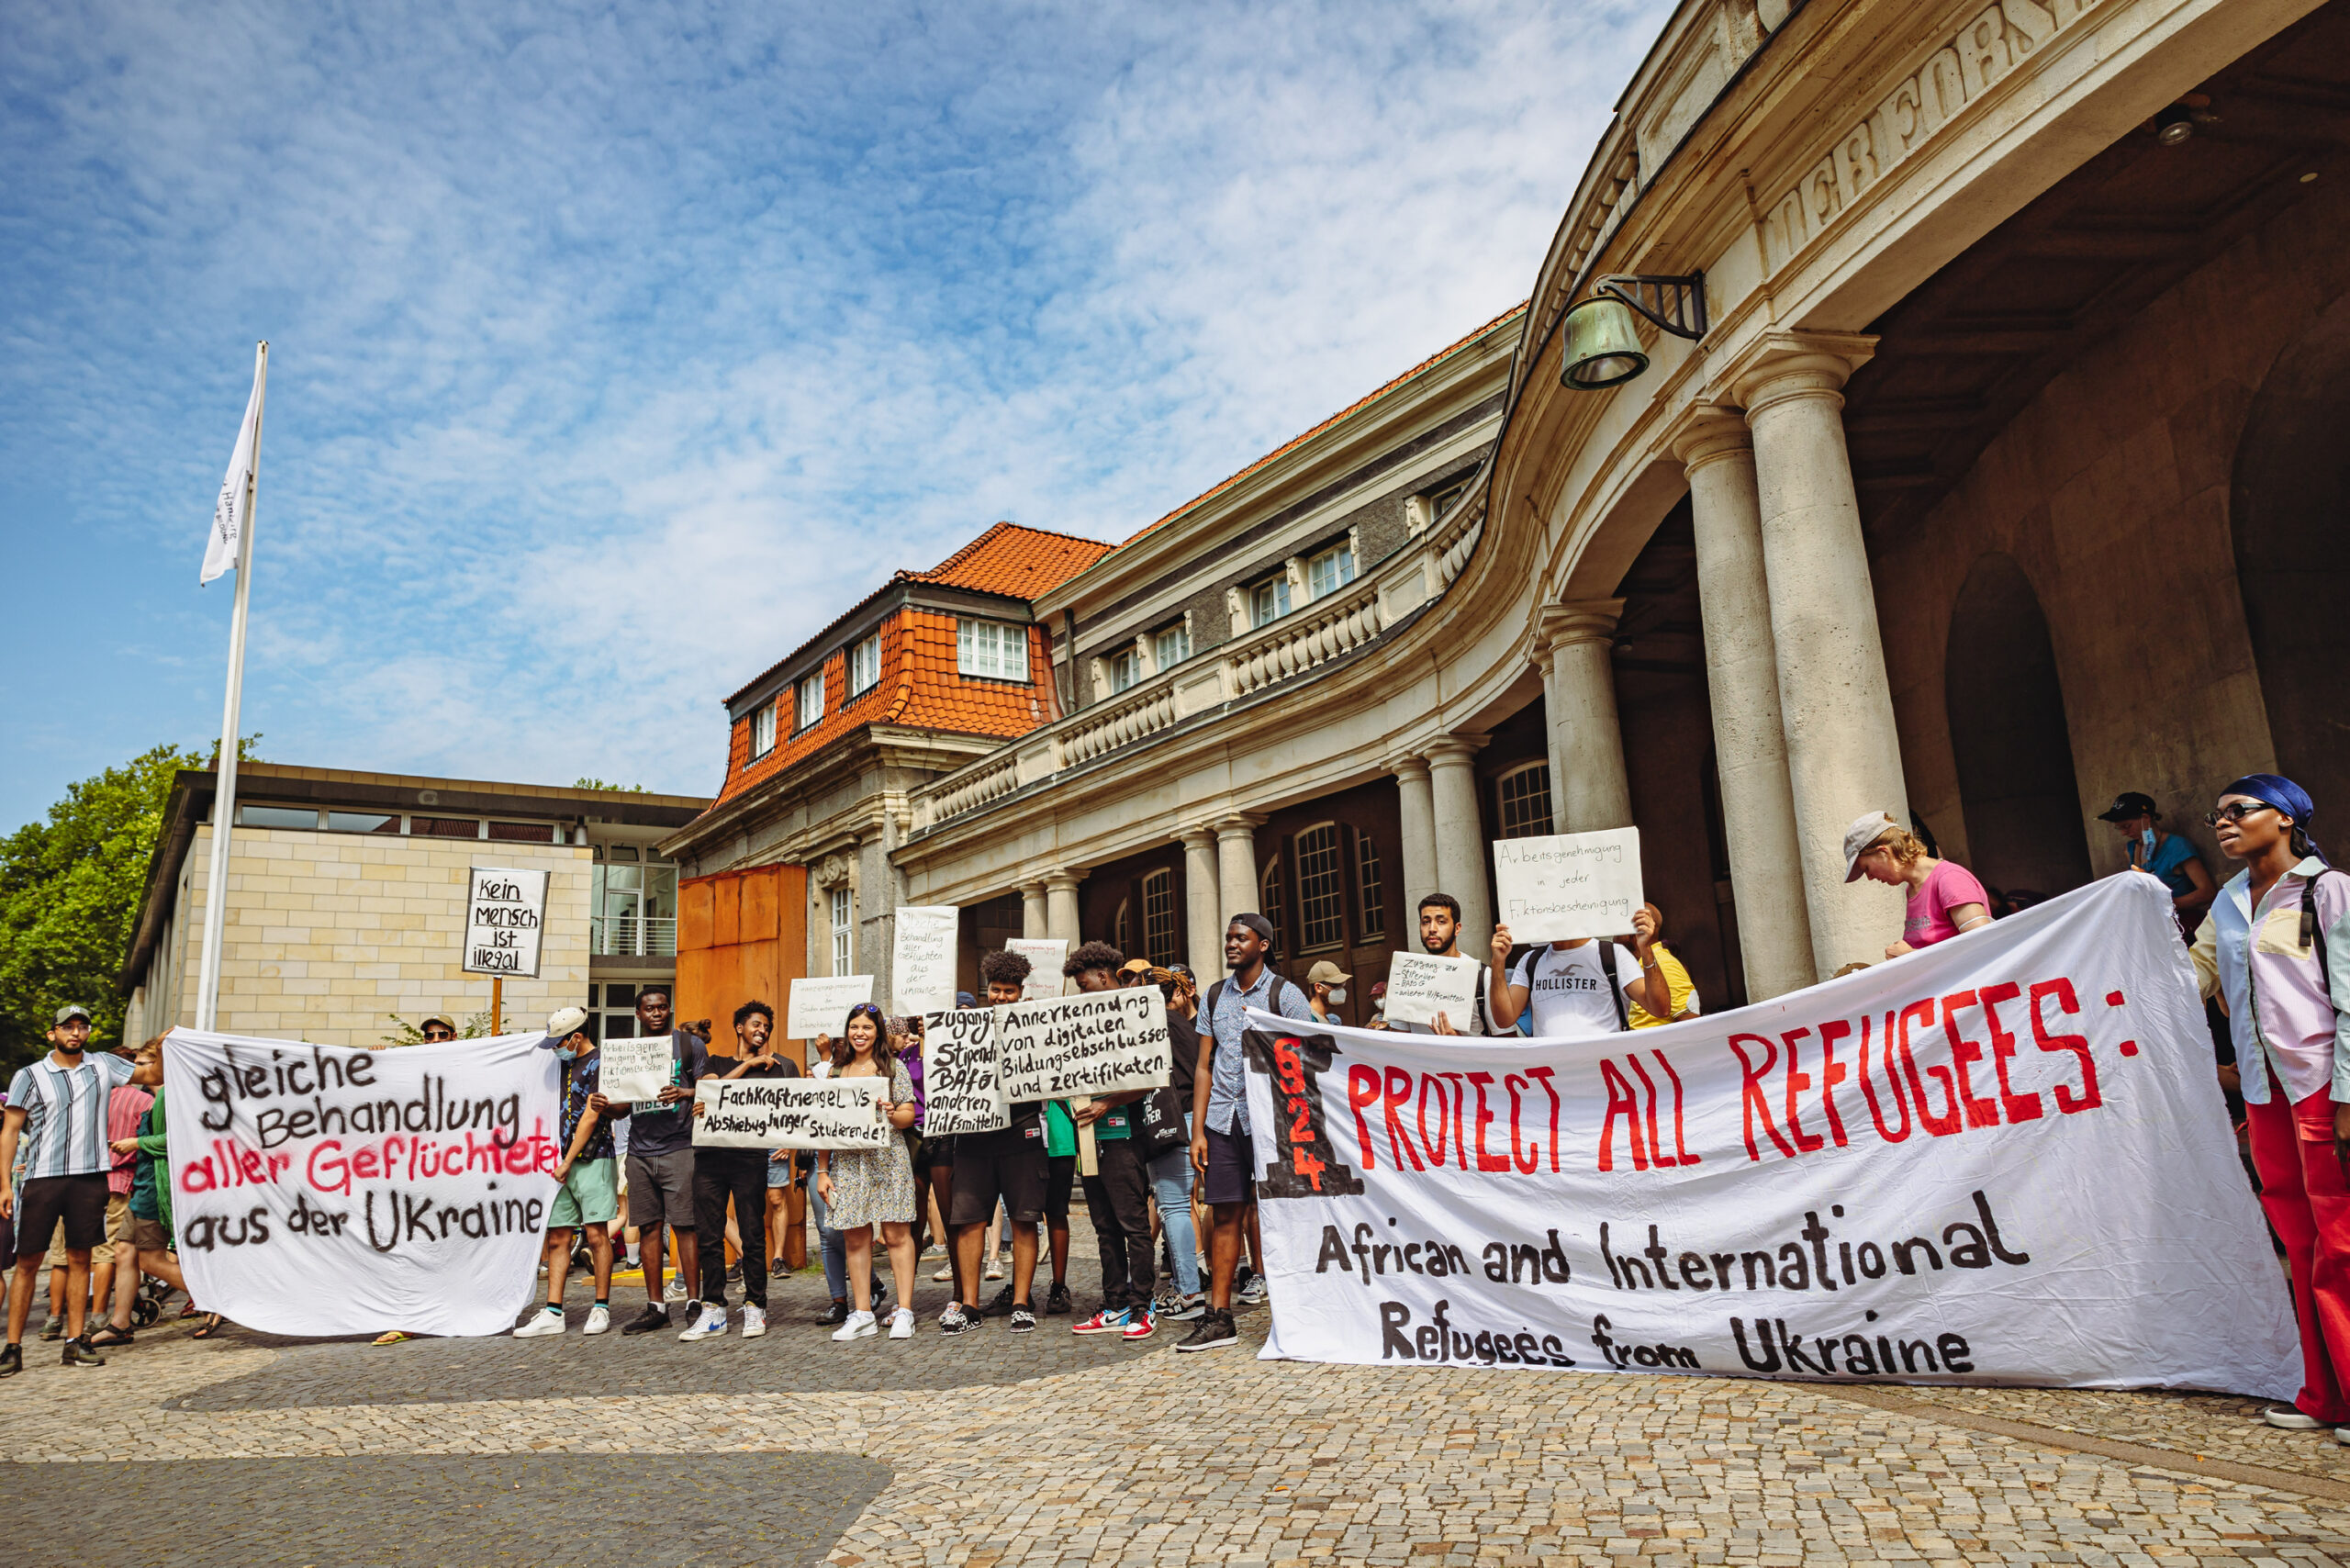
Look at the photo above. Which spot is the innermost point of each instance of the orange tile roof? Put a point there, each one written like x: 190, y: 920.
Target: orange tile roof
x: 1371, y: 397
x: 1010, y: 559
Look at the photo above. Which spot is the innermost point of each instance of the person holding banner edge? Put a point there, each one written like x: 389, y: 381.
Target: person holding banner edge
x: 586, y: 1190
x: 1944, y: 899
x: 868, y: 1188
x: 2277, y: 948
x: 1221, y: 1147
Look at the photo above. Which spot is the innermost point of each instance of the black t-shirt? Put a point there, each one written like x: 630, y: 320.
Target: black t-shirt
x: 1184, y: 1053
x: 656, y: 1128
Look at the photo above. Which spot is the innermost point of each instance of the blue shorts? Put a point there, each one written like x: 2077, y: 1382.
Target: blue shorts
x: 1232, y: 1167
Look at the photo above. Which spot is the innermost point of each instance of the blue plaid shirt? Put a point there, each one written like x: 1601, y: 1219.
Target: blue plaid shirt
x: 1227, y: 1093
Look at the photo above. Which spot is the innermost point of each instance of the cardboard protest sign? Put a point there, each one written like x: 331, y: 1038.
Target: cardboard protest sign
x: 1575, y: 884
x: 1421, y: 985
x: 1970, y: 1164
x: 790, y: 1113
x: 1046, y: 954
x: 820, y: 1005
x: 962, y: 1074
x: 922, y: 958
x: 634, y: 1068
x: 1093, y: 1042
x: 323, y: 1190
x: 506, y: 912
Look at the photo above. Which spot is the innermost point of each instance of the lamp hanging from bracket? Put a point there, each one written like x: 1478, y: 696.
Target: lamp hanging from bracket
x: 1603, y: 346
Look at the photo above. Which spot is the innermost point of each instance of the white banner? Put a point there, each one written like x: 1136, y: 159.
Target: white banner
x: 1421, y: 985
x: 1045, y: 954
x: 506, y: 911
x: 1574, y: 884
x: 1096, y: 1042
x: 962, y: 1074
x: 2004, y: 1158
x: 789, y: 1113
x: 634, y: 1068
x: 820, y: 1005
x: 322, y: 1190
x: 922, y: 958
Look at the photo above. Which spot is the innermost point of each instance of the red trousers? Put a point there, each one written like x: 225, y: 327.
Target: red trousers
x: 2302, y: 1188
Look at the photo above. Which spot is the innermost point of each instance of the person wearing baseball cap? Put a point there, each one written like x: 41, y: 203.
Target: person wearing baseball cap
x: 437, y: 1029
x: 2164, y: 855
x: 1944, y: 899
x: 587, y: 1191
x: 1325, y: 986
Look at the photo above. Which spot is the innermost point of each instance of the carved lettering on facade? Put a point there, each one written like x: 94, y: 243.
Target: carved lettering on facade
x: 2001, y: 36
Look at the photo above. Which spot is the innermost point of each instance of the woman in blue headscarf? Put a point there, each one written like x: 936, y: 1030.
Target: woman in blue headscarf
x: 2277, y: 950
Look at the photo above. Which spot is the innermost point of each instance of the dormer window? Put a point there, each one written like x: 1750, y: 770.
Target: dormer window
x: 865, y: 665
x: 991, y: 650
x: 810, y: 710
x: 763, y: 731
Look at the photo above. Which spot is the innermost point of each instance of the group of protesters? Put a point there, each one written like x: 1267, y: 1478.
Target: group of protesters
x: 1169, y: 1172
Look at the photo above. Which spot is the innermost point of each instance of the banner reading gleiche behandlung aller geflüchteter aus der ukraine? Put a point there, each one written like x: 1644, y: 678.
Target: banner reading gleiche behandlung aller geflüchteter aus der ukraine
x: 2001, y: 1160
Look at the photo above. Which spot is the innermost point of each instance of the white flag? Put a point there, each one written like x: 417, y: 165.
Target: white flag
x: 236, y: 495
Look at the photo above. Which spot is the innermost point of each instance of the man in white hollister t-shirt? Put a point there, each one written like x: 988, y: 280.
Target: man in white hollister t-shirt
x: 1578, y: 989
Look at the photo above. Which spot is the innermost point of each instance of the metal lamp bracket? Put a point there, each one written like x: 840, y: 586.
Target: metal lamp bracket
x: 1676, y: 305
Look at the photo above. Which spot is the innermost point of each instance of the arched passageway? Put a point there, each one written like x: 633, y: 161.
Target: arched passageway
x: 2007, y: 729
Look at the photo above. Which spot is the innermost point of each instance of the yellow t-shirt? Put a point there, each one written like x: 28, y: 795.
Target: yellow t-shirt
x: 1677, y: 985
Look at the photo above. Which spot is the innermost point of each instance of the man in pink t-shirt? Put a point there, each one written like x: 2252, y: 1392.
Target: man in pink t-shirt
x: 1944, y: 899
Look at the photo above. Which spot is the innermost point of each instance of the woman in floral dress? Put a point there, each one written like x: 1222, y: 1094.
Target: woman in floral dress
x: 862, y: 1188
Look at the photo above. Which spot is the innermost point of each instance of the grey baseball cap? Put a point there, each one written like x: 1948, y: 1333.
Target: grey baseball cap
x: 74, y: 1010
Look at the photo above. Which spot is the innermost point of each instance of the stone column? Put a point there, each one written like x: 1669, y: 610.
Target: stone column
x: 1060, y: 903
x: 1742, y: 684
x: 1461, y: 835
x: 1835, y: 702
x: 1588, y: 790
x: 1417, y: 800
x: 1236, y: 865
x: 1202, y: 888
x: 1033, y: 920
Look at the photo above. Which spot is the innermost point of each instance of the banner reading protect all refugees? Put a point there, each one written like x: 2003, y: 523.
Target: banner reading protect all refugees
x: 321, y: 1190
x: 2001, y: 1160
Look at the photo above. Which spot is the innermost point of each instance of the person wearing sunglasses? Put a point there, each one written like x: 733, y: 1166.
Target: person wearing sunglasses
x: 2276, y: 951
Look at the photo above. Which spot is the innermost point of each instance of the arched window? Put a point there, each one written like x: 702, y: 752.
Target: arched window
x: 1269, y: 890
x: 1122, y: 930
x: 1523, y: 795
x: 1321, y: 889
x: 1370, y: 889
x: 1158, y: 918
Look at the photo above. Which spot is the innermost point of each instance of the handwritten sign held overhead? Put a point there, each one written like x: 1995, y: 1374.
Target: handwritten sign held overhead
x: 1576, y: 884
x: 1421, y: 985
x: 1046, y: 954
x: 635, y: 1069
x: 1095, y: 1043
x: 820, y: 1005
x: 922, y: 958
x: 790, y: 1113
x: 506, y: 911
x: 962, y: 1074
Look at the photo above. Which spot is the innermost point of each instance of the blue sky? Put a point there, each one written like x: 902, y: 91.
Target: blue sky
x: 613, y: 351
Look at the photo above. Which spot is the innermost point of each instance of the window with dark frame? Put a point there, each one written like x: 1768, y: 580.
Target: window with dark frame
x: 1321, y: 889
x: 1121, y: 929
x: 1269, y: 890
x: 1159, y: 917
x: 1371, y: 893
x: 1522, y: 797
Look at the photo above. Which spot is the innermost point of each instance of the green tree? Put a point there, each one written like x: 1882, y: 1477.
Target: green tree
x: 69, y: 892
x: 599, y: 784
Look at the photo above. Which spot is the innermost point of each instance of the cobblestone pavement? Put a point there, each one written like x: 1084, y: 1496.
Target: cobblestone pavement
x: 1056, y: 1450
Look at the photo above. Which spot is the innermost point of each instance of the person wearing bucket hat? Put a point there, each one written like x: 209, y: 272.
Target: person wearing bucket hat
x: 587, y: 1191
x: 2277, y: 948
x: 2162, y: 854
x: 1944, y: 899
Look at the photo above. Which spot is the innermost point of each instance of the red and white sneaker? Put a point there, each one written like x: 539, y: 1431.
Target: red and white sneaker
x: 1141, y: 1324
x: 1109, y: 1320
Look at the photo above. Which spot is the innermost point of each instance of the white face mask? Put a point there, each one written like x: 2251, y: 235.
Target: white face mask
x: 1337, y: 994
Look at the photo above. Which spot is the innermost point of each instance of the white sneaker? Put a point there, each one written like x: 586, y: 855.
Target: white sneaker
x: 1253, y: 1292
x: 599, y: 1318
x: 542, y: 1323
x: 944, y: 1274
x: 994, y: 1268
x: 711, y: 1324
x: 674, y: 1291
x: 754, y: 1321
x: 861, y: 1326
x: 902, y: 1323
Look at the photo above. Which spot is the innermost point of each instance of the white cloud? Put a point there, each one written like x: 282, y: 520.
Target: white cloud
x: 616, y: 352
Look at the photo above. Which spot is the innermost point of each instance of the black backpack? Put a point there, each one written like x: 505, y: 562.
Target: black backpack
x: 2312, y: 933
x: 1606, y: 965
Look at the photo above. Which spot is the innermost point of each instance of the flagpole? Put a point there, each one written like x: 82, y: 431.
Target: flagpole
x: 224, y: 799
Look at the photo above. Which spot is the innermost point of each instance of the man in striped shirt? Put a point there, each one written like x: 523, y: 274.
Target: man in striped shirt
x: 58, y: 1107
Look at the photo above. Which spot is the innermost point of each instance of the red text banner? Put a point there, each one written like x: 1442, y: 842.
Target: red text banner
x: 2002, y: 1159
x: 322, y: 1190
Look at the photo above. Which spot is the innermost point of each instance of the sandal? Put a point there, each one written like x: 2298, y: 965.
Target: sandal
x: 392, y: 1337
x: 109, y: 1336
x: 212, y: 1325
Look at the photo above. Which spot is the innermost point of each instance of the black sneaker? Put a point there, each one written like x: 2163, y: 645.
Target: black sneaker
x: 645, y: 1322
x: 54, y: 1330
x: 1057, y: 1302
x: 834, y: 1315
x: 955, y: 1321
x: 11, y: 1360
x: 1212, y: 1332
x: 1023, y: 1319
x: 79, y: 1354
x: 879, y: 1292
x: 1002, y: 1305
x: 734, y: 1274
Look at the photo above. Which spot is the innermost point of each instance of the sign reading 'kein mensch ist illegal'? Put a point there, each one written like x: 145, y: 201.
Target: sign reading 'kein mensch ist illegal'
x: 506, y: 912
